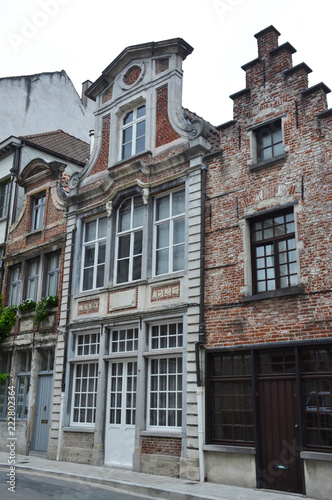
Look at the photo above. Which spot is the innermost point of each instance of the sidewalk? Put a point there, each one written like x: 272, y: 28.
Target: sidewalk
x: 161, y: 487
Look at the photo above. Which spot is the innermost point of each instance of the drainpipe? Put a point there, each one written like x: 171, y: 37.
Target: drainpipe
x: 201, y: 340
x: 65, y: 356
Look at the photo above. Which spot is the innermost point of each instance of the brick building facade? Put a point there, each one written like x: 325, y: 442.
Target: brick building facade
x: 268, y: 283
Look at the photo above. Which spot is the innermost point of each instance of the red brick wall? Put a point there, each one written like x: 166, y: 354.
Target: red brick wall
x: 161, y: 446
x: 164, y: 131
x: 102, y: 162
x: 232, y: 188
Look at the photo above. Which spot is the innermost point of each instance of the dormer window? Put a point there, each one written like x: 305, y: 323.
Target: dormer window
x: 133, y: 132
x: 38, y: 212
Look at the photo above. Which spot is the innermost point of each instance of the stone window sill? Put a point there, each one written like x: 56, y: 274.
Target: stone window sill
x: 283, y: 292
x: 243, y: 450
x: 267, y: 163
x: 314, y: 455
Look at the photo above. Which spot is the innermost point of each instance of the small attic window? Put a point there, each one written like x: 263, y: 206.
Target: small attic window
x: 269, y: 142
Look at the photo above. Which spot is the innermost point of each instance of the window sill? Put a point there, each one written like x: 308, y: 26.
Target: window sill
x: 79, y: 429
x: 282, y: 292
x: 162, y: 433
x: 243, y: 450
x: 267, y: 163
x: 315, y: 455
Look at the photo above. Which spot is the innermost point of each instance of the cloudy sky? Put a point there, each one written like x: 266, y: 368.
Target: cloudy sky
x: 84, y: 36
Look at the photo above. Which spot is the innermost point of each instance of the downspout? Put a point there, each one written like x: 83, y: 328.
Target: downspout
x: 201, y: 339
x: 65, y: 355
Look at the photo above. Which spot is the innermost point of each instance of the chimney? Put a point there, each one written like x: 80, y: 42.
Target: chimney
x: 85, y: 86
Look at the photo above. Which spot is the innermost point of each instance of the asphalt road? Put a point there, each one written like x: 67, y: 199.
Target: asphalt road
x: 32, y: 486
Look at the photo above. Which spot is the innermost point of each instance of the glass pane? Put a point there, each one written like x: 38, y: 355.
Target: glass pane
x: 266, y: 154
x: 138, y: 236
x: 141, y: 111
x: 128, y: 118
x: 101, y: 253
x: 178, y: 231
x: 124, y: 246
x: 140, y: 144
x: 90, y: 231
x: 89, y: 256
x: 278, y: 149
x: 126, y: 150
x: 140, y: 129
x: 88, y: 279
x: 102, y: 228
x: 163, y: 235
x: 100, y: 276
x: 178, y: 203
x: 162, y: 208
x: 125, y: 216
x: 178, y: 258
x: 123, y: 271
x: 162, y: 261
x: 265, y: 138
x: 138, y: 212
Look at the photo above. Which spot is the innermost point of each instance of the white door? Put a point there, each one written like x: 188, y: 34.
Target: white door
x: 121, y: 412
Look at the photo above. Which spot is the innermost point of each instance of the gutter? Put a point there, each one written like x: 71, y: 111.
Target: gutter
x: 201, y: 339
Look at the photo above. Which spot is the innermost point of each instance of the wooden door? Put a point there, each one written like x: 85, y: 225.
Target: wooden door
x: 279, y: 457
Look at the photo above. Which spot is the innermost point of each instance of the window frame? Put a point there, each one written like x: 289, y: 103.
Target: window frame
x: 97, y: 242
x: 131, y: 232
x: 38, y: 211
x: 23, y: 374
x: 172, y: 244
x: 4, y: 197
x: 32, y: 280
x: 274, y: 242
x: 14, y: 285
x: 53, y: 273
x: 133, y: 125
x: 162, y: 359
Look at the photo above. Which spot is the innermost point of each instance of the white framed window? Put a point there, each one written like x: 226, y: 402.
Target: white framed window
x: 4, y: 197
x: 32, y: 280
x: 129, y: 240
x: 169, y: 220
x: 23, y: 385
x: 124, y: 340
x: 85, y: 378
x: 165, y: 375
x: 94, y: 252
x: 14, y: 286
x: 38, y: 208
x: 133, y: 132
x: 53, y: 274
x: 85, y: 393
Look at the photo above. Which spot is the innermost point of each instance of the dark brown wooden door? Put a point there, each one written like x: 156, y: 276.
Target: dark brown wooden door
x: 279, y: 457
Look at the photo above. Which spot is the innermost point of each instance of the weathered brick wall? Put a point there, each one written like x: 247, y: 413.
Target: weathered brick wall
x: 161, y: 446
x: 233, y: 191
x: 164, y: 131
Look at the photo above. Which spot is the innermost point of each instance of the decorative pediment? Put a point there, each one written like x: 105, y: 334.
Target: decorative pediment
x: 39, y: 169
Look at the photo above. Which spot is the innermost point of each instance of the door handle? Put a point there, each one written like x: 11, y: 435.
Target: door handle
x: 297, y: 426
x: 44, y: 408
x: 282, y: 467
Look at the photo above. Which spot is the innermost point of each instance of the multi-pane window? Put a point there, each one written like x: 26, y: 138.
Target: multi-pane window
x: 94, y: 250
x: 85, y: 379
x: 53, y: 273
x: 169, y: 233
x: 85, y: 393
x: 38, y: 208
x: 317, y: 393
x: 231, y: 404
x: 274, y: 252
x: 4, y: 196
x: 46, y: 360
x: 165, y: 376
x: 23, y: 385
x: 87, y: 344
x: 32, y: 280
x: 4, y: 370
x: 14, y: 286
x: 124, y: 340
x: 129, y: 240
x: 133, y: 132
x: 269, y: 141
x: 123, y: 390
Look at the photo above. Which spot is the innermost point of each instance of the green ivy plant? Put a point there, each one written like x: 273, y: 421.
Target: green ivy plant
x: 43, y: 308
x: 7, y: 319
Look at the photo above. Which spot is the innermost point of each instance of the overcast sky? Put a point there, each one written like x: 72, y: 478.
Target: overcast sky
x: 84, y: 36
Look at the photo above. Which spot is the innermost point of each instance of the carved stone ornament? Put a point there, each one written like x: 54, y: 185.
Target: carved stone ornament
x: 109, y: 208
x: 74, y: 180
x: 145, y: 191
